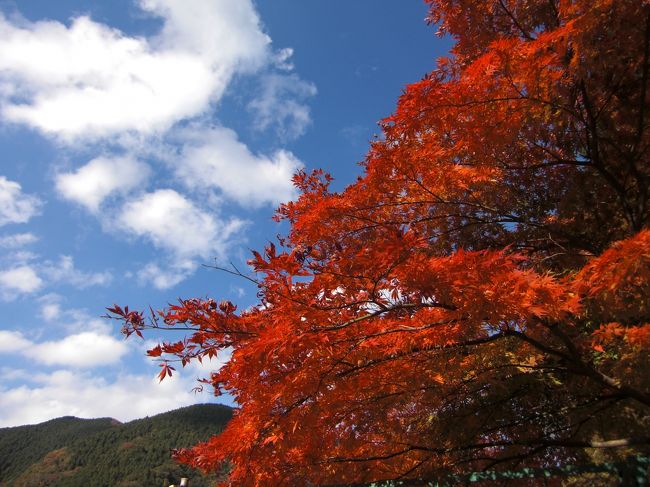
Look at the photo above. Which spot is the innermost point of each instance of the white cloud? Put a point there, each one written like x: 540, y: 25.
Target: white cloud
x: 65, y: 271
x: 16, y: 207
x: 86, y: 349
x: 19, y: 280
x: 215, y: 158
x: 45, y: 394
x: 223, y: 32
x: 281, y: 105
x: 11, y: 373
x: 96, y: 180
x: 90, y: 80
x: 167, y: 277
x: 84, y: 82
x: 172, y: 222
x: 17, y: 240
x: 13, y: 342
x: 86, y: 395
x: 22, y: 277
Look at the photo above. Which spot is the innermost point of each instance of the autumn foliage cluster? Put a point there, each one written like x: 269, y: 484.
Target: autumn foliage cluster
x: 480, y: 297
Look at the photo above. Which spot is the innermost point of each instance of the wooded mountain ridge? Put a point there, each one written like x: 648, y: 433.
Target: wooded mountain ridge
x: 70, y: 451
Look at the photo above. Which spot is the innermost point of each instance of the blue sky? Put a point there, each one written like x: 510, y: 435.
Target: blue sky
x: 141, y: 139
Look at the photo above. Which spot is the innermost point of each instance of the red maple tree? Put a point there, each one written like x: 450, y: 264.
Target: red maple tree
x: 480, y: 297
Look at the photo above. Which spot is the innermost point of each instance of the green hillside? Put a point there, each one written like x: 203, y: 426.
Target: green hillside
x: 71, y: 452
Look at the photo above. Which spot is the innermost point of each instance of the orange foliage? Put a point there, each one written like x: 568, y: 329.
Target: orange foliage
x: 479, y: 297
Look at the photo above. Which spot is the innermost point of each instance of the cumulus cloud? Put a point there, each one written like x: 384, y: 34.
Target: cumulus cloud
x: 215, y: 158
x: 223, y: 32
x: 92, y: 183
x: 15, y: 206
x: 71, y: 388
x: 19, y: 280
x: 84, y: 82
x: 23, y: 278
x: 82, y: 394
x: 87, y: 349
x: 87, y: 79
x: 173, y: 223
x: 13, y: 342
x: 281, y: 105
x: 82, y: 350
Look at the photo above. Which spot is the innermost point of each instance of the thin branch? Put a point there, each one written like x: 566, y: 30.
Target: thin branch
x: 516, y: 22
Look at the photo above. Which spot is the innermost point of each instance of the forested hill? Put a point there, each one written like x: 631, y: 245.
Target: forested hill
x: 71, y: 452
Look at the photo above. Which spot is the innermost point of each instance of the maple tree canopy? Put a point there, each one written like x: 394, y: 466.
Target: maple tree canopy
x: 480, y: 297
